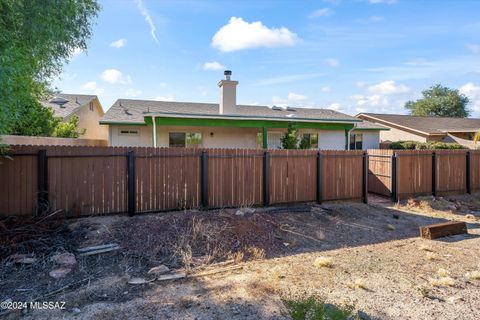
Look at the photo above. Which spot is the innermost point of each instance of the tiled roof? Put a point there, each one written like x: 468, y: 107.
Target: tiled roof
x: 427, y: 125
x: 133, y: 111
x: 75, y: 101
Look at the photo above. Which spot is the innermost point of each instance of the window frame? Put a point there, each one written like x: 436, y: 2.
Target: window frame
x: 186, y: 137
x: 354, y: 143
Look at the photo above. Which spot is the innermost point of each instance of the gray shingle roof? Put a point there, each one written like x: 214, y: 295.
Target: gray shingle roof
x: 75, y: 101
x: 367, y: 125
x: 428, y: 125
x: 133, y: 111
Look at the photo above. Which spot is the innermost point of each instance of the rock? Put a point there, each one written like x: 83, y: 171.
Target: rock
x: 137, y: 281
x: 390, y: 227
x: 363, y: 316
x: 239, y: 213
x: 161, y: 269
x: 454, y: 299
x: 396, y: 216
x: 249, y: 210
x: 59, y: 273
x: 76, y: 310
x: 23, y: 258
x: 66, y: 259
x: 470, y: 216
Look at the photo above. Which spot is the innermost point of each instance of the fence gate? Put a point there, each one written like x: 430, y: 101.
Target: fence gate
x: 380, y: 172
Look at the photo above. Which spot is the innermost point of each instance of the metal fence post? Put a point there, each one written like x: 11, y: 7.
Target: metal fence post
x: 266, y: 178
x: 434, y: 173
x: 365, y: 178
x: 131, y: 182
x: 468, y: 177
x: 42, y: 198
x: 319, y: 177
x: 204, y: 179
x: 394, y: 178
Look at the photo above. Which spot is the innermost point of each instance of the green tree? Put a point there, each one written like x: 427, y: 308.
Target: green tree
x: 440, y: 101
x: 36, y: 38
x: 290, y: 138
x: 68, y: 129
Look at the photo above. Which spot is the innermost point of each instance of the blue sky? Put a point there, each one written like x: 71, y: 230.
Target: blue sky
x: 352, y: 56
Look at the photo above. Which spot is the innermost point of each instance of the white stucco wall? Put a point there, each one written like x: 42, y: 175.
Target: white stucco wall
x: 143, y: 139
x: 371, y: 139
x: 331, y: 140
x: 218, y: 137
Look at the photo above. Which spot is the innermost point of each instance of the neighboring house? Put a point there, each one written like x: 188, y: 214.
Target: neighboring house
x: 228, y: 125
x: 86, y: 107
x: 424, y: 129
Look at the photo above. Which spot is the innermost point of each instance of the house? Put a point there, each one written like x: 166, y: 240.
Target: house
x: 228, y: 125
x: 425, y: 129
x: 86, y: 107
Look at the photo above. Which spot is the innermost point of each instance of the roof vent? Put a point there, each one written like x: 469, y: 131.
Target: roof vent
x: 291, y: 109
x: 227, y: 74
x: 277, y: 108
x: 59, y: 101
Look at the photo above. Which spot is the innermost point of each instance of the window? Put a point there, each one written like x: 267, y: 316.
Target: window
x: 194, y: 140
x: 128, y: 132
x: 309, y: 141
x: 356, y: 141
x: 182, y: 139
x: 90, y: 105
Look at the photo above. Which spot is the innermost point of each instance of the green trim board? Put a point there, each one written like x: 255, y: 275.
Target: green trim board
x: 167, y: 121
x: 124, y: 123
x: 264, y: 138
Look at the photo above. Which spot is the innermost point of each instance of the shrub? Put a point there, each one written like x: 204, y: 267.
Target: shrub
x: 313, y: 308
x: 431, y: 145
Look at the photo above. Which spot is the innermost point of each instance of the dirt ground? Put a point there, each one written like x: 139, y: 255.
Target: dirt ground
x: 242, y: 264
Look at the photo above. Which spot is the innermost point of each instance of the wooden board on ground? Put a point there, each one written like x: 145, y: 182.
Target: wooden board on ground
x: 445, y: 229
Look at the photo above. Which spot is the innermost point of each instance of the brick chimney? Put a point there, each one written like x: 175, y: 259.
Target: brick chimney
x: 228, y: 94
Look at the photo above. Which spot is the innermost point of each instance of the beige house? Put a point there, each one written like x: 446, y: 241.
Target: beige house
x: 424, y: 129
x: 86, y: 107
x: 228, y: 125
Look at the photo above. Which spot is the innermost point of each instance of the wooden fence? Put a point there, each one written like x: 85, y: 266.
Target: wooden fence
x: 82, y: 181
x: 405, y: 173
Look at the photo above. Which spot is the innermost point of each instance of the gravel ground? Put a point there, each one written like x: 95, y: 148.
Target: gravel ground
x: 377, y: 263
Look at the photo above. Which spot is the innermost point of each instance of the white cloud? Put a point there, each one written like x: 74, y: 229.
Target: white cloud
x: 238, y: 34
x: 473, y: 47
x: 148, y: 19
x: 169, y: 97
x: 163, y: 85
x: 296, y: 97
x: 326, y: 89
x: 473, y: 93
x: 133, y: 93
x: 213, y: 66
x: 287, y: 79
x: 335, y: 106
x: 91, y: 87
x: 76, y: 52
x: 388, y: 88
x: 382, y: 1
x: 332, y: 62
x: 115, y: 77
x: 292, y: 98
x: 324, y: 12
x: 375, y: 100
x: 118, y: 43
